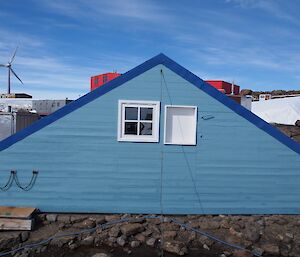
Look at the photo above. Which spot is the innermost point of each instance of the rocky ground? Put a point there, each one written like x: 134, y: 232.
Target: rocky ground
x: 276, y: 235
x: 291, y: 131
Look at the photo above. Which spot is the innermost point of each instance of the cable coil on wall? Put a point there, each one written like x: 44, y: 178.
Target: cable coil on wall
x: 14, y: 178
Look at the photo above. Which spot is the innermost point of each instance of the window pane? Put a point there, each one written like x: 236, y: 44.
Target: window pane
x: 146, y: 113
x: 131, y: 113
x: 146, y: 128
x: 130, y: 128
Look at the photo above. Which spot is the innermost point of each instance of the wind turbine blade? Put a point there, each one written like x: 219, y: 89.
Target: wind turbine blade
x: 2, y: 65
x: 13, y: 57
x: 16, y: 75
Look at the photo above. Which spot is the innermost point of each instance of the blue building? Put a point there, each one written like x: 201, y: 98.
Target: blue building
x: 156, y: 139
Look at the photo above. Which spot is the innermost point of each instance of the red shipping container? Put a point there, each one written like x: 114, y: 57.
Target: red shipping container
x: 226, y: 86
x: 100, y: 80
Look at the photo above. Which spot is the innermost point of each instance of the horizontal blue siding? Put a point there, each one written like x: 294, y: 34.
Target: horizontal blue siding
x: 237, y: 168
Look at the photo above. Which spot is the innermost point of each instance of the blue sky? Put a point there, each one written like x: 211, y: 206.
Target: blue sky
x: 62, y: 43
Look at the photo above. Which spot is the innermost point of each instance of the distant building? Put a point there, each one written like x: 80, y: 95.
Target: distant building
x: 12, y: 122
x: 264, y: 97
x: 15, y: 95
x: 46, y: 107
x: 232, y: 91
x: 42, y: 107
x: 225, y: 87
x: 278, y: 110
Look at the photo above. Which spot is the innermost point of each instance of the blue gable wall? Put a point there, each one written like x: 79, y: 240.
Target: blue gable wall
x: 235, y: 167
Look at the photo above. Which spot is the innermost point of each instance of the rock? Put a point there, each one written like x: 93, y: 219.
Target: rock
x: 60, y: 241
x: 100, y: 220
x: 109, y: 218
x: 242, y: 253
x: 205, y: 241
x: 121, y: 240
x: 297, y: 123
x: 246, y: 92
x: 209, y: 224
x: 135, y: 244
x: 73, y: 246
x: 88, y: 241
x: 252, y: 234
x: 205, y: 246
x: 24, y: 255
x: 51, y: 217
x: 132, y: 229
x: 140, y: 237
x: 151, y: 242
x: 169, y: 227
x: 114, y: 231
x: 77, y: 218
x: 285, y: 250
x: 111, y: 241
x: 25, y: 236
x: 169, y: 235
x: 271, y: 249
x: 175, y: 247
x: 258, y: 251
x: 147, y: 232
x: 9, y: 239
x: 64, y: 218
x: 100, y: 255
x: 88, y: 223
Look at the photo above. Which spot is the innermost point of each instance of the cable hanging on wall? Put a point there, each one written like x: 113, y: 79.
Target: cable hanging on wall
x: 31, y: 183
x: 9, y: 182
x: 14, y: 177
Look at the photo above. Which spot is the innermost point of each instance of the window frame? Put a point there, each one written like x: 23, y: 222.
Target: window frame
x: 194, y: 143
x: 154, y: 138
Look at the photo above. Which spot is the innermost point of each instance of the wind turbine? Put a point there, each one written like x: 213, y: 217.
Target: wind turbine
x: 10, y: 70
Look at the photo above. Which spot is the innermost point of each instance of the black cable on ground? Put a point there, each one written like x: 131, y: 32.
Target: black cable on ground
x: 110, y: 223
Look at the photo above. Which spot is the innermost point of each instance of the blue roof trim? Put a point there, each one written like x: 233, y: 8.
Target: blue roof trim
x: 175, y: 67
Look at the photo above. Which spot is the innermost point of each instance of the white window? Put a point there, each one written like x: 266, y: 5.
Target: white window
x: 180, y: 125
x: 138, y: 121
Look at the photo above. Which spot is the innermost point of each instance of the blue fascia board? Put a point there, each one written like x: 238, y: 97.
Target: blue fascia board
x: 179, y: 70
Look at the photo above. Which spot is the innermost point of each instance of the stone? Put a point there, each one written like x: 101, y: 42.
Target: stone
x: 88, y: 223
x: 271, y: 249
x: 175, y: 247
x: 167, y: 235
x: 100, y: 255
x: 285, y: 250
x: 252, y: 234
x: 135, y: 244
x: 242, y: 253
x: 64, y: 218
x: 140, y: 237
x: 169, y: 227
x: 73, y: 246
x: 121, y: 240
x: 100, y: 219
x: 25, y: 236
x: 88, y: 241
x: 297, y: 123
x: 109, y: 218
x: 151, y: 242
x: 51, y: 217
x: 205, y: 246
x: 258, y: 251
x: 147, y: 232
x: 114, y: 231
x: 205, y: 241
x: 78, y: 218
x: 132, y: 229
x: 61, y: 241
